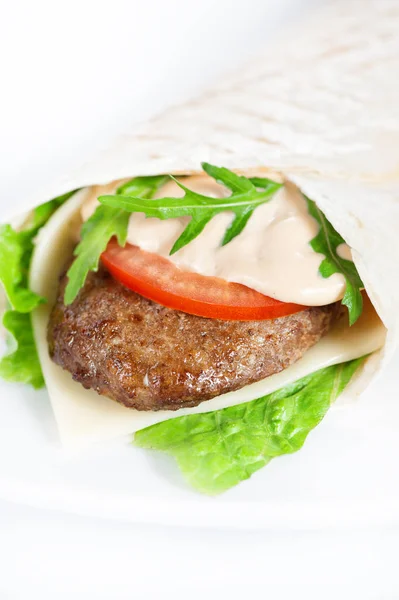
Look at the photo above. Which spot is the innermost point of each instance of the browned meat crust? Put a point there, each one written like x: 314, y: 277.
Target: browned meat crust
x: 150, y: 357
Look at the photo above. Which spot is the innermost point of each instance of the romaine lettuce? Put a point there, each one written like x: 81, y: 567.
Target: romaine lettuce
x: 22, y: 364
x: 217, y: 450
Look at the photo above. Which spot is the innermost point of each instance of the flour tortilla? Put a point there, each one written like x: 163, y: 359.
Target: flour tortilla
x: 319, y: 106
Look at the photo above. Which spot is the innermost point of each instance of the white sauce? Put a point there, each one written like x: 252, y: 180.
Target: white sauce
x: 272, y: 255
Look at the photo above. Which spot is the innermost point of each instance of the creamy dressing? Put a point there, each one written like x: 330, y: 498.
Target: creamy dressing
x: 272, y: 254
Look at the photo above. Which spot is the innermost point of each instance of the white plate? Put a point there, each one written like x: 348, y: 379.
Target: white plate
x: 346, y: 474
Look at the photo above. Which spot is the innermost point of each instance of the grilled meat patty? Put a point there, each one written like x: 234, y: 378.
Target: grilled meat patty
x: 149, y: 357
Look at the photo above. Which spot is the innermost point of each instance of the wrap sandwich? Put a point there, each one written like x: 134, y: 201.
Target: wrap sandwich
x: 215, y: 280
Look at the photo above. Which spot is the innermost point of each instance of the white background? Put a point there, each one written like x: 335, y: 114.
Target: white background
x: 76, y: 72
x: 46, y: 556
x: 73, y: 74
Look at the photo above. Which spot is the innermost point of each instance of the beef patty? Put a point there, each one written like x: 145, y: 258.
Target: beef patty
x: 150, y: 357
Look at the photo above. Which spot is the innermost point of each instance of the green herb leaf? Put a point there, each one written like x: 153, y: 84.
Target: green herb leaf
x: 235, y: 183
x: 217, y: 450
x: 326, y: 242
x: 16, y: 248
x: 22, y: 364
x: 145, y: 187
x: 245, y: 197
x: 105, y: 223
x: 15, y: 251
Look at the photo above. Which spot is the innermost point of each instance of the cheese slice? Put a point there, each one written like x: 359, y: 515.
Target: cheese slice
x: 84, y: 417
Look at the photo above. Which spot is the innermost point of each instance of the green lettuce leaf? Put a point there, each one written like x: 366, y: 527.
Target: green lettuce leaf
x: 217, y: 450
x: 22, y: 364
x: 105, y: 223
x: 16, y: 248
x: 326, y: 242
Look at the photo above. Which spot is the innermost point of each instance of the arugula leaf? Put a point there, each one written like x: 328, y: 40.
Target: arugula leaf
x: 245, y: 197
x: 22, y: 363
x: 104, y: 223
x: 97, y: 231
x: 326, y: 242
x: 145, y: 187
x: 235, y: 183
x: 16, y: 248
x: 217, y: 450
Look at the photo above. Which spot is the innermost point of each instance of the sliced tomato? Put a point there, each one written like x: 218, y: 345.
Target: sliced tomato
x: 160, y: 280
